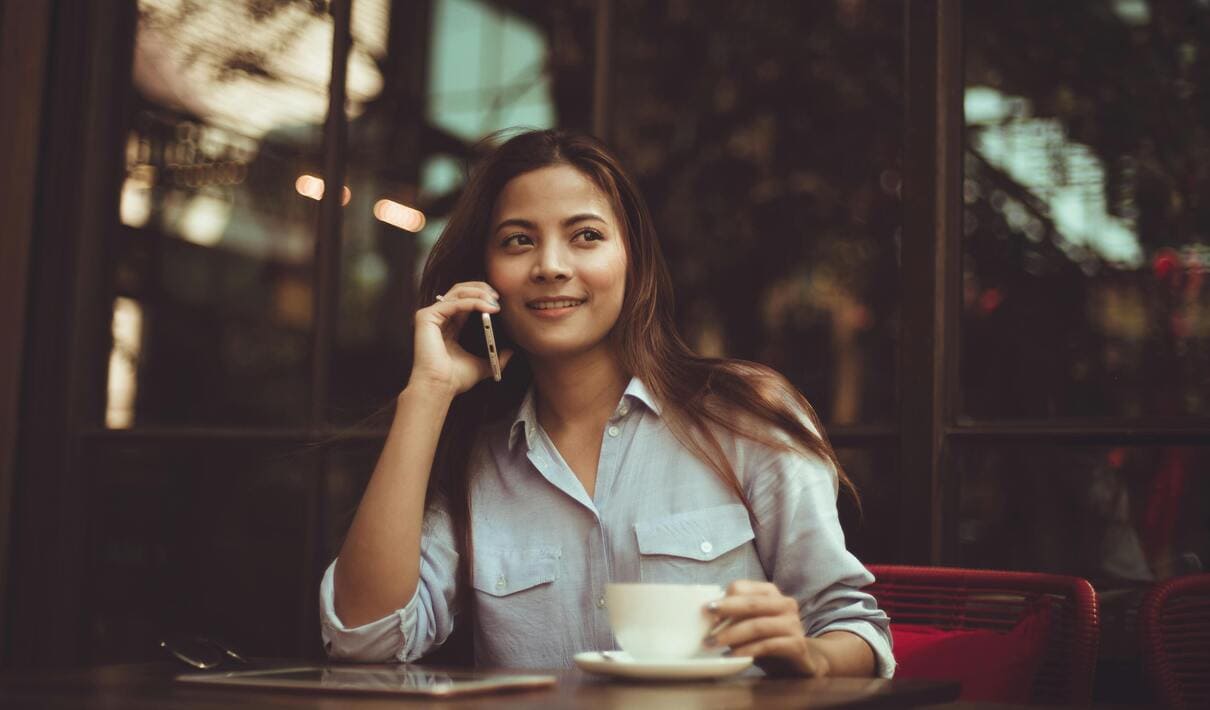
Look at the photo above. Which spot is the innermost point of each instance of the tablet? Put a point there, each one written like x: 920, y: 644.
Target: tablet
x: 398, y: 680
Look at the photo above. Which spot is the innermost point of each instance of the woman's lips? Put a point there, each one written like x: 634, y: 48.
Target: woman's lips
x: 553, y: 309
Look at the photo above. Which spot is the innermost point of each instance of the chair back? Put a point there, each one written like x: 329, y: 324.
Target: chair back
x: 955, y: 598
x: 1175, y: 625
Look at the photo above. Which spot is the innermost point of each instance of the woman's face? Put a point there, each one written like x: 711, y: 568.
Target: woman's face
x: 557, y: 257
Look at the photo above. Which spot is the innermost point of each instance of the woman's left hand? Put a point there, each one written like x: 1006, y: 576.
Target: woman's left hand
x: 765, y: 624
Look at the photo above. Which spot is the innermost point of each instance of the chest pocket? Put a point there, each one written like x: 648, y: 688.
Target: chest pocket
x: 502, y: 572
x: 515, y: 590
x: 707, y: 546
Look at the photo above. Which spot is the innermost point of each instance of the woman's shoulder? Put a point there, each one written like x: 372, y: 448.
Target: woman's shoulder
x: 761, y: 421
x: 761, y: 403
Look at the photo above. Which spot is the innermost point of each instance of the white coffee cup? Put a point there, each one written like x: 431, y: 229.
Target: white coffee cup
x: 661, y: 622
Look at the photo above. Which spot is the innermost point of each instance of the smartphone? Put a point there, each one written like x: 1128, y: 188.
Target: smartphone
x: 490, y: 337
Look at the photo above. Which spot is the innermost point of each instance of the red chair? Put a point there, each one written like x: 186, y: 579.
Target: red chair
x: 1062, y: 612
x: 1175, y: 625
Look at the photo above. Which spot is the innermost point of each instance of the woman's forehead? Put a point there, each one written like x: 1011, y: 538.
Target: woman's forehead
x: 551, y: 193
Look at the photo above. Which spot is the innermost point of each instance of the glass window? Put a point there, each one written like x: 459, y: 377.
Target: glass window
x: 487, y: 66
x: 1087, y: 229
x: 871, y: 526
x: 1117, y: 515
x: 199, y: 538
x: 767, y: 138
x: 212, y: 264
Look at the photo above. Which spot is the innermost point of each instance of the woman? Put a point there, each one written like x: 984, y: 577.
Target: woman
x: 609, y: 452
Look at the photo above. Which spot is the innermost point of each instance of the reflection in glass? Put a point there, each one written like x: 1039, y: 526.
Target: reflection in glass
x: 1087, y: 231
x: 122, y: 387
x: 767, y: 137
x: 1117, y: 516
x: 227, y: 108
x: 487, y: 66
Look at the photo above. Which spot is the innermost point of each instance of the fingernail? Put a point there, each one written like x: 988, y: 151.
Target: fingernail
x: 710, y: 641
x: 712, y: 606
x: 495, y: 303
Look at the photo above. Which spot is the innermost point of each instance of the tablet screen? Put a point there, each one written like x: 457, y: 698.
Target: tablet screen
x: 407, y: 680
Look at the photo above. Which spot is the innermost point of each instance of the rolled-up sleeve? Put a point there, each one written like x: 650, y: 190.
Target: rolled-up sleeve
x: 406, y: 634
x: 802, y: 548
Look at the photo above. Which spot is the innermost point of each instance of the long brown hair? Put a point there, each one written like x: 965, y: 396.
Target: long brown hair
x: 698, y: 395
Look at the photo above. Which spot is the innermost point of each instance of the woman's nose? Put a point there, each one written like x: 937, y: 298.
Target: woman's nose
x: 552, y: 265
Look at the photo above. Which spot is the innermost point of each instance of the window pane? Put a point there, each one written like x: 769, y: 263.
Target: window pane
x: 872, y: 527
x: 490, y: 66
x: 767, y: 138
x: 1086, y: 223
x: 349, y: 468
x: 1118, y: 516
x: 200, y: 538
x: 212, y: 265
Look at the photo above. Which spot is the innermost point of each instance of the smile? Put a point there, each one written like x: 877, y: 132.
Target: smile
x: 549, y: 305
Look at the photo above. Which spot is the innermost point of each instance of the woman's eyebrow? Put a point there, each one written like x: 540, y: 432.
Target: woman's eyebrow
x: 574, y: 219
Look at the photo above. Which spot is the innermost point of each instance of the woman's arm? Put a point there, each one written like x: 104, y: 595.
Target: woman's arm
x: 380, y: 559
x: 812, y: 615
x: 379, y: 564
x: 765, y: 624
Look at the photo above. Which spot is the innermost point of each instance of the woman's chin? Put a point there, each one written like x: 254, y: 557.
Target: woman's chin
x: 555, y: 349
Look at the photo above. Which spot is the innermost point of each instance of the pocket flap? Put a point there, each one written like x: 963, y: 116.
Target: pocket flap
x: 697, y: 534
x: 503, y: 571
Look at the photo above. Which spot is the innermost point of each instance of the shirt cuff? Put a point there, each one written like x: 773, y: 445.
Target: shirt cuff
x: 879, y: 640
x: 376, y: 641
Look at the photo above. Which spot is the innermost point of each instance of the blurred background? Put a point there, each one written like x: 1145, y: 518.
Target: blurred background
x: 975, y: 234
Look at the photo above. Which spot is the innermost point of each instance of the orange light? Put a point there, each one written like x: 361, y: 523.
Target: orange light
x: 309, y: 186
x: 406, y: 218
x: 313, y: 187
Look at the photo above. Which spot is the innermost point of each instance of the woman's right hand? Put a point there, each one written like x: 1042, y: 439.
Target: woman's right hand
x: 438, y: 360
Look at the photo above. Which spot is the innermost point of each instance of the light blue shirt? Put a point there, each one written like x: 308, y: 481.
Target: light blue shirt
x: 544, y: 549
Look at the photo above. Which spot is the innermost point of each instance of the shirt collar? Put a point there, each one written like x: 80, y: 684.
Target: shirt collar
x: 525, y: 423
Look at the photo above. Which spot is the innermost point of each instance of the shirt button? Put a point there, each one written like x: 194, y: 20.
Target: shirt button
x: 613, y: 431
x: 623, y: 409
x: 500, y: 582
x: 706, y: 546
x: 601, y: 603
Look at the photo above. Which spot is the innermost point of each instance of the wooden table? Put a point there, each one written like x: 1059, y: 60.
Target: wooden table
x: 151, y: 686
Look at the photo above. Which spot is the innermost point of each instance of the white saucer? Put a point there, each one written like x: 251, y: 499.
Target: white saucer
x: 619, y: 663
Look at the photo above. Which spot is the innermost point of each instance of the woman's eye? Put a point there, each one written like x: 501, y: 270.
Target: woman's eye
x: 589, y: 235
x: 517, y: 240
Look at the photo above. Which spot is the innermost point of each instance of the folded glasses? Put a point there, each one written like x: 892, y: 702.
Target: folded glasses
x: 203, y: 653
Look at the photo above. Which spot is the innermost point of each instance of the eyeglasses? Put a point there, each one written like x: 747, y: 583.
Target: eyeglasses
x: 203, y: 653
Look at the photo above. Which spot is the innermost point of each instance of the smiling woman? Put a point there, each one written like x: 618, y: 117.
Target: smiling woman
x: 558, y: 259
x: 607, y: 449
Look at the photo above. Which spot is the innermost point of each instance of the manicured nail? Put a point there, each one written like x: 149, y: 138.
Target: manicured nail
x: 494, y: 302
x: 710, y: 641
x: 712, y: 606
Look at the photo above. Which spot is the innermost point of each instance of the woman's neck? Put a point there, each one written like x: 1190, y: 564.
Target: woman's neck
x: 578, y: 391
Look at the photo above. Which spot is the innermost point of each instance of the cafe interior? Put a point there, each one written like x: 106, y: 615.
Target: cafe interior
x: 974, y: 234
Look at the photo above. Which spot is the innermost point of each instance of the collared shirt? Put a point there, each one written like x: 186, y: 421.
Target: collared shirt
x: 544, y: 549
